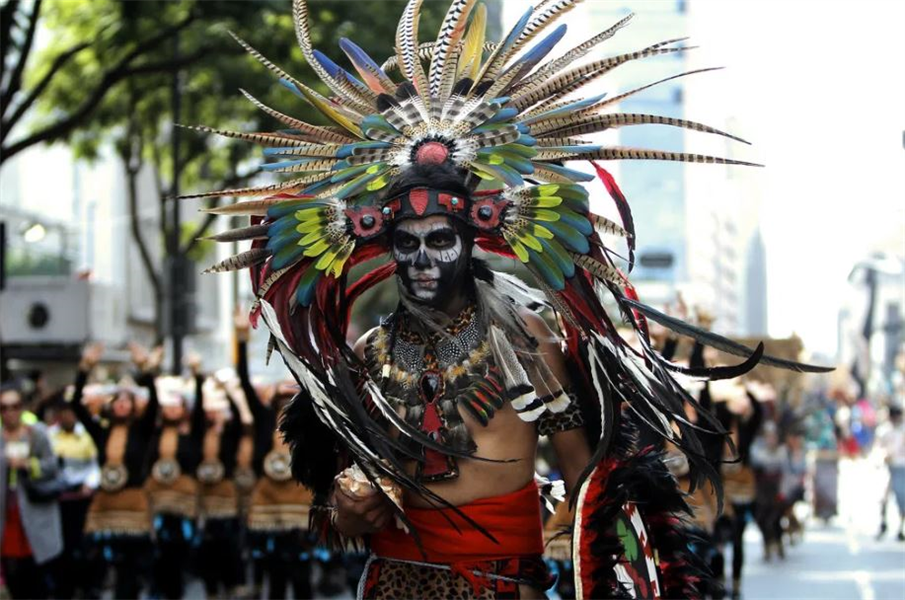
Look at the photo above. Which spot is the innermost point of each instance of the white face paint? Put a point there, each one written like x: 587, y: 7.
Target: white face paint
x: 427, y: 251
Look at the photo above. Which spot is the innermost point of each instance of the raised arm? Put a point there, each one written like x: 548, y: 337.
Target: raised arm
x: 243, y: 333
x: 90, y: 357
x: 147, y: 365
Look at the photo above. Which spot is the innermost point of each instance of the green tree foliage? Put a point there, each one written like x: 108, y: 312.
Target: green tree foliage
x: 105, y: 78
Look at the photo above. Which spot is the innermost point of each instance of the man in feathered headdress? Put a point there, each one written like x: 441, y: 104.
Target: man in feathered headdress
x: 422, y: 438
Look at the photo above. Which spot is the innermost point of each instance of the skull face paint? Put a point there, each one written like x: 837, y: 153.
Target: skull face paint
x: 431, y: 258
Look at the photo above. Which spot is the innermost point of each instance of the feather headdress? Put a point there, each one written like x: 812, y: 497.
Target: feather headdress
x: 508, y: 116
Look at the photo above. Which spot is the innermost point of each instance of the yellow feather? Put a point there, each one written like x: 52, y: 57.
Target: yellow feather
x: 547, y: 189
x: 542, y: 214
x: 340, y: 261
x: 473, y: 48
x: 530, y: 241
x: 518, y: 248
x: 307, y: 214
x: 317, y: 248
x: 311, y: 238
x: 546, y: 201
x: 330, y: 112
x: 542, y: 232
x: 309, y: 226
x: 324, y: 261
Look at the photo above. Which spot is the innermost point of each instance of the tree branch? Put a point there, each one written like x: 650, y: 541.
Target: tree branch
x: 15, y: 80
x: 111, y: 77
x: 58, y: 63
x: 7, y: 18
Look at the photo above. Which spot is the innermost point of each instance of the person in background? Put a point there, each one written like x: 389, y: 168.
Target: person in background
x: 31, y: 531
x: 174, y: 456
x: 80, y: 475
x: 892, y: 442
x: 769, y: 459
x: 793, y: 481
x: 278, y: 515
x: 118, y: 525
x: 740, y: 413
x: 219, y: 552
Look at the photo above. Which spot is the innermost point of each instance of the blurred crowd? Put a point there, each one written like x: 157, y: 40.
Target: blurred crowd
x: 134, y: 488
x: 137, y: 487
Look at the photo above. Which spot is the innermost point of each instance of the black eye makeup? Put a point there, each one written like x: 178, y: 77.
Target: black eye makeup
x: 441, y: 239
x: 405, y: 241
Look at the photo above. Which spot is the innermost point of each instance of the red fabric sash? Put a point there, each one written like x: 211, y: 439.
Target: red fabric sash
x: 514, y: 520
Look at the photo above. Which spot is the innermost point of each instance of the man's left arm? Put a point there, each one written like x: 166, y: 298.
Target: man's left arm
x: 573, y: 453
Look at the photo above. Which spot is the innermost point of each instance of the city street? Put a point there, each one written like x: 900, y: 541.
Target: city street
x: 841, y: 559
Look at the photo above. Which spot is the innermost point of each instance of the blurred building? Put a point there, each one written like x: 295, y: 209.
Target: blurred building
x: 696, y: 225
x: 73, y: 271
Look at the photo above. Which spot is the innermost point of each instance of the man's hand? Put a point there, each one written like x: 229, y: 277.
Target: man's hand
x: 357, y: 516
x: 91, y: 355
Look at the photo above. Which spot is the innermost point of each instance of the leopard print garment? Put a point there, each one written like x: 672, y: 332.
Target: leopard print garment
x: 393, y: 580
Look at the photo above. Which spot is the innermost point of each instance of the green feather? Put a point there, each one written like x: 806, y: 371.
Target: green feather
x: 547, y: 269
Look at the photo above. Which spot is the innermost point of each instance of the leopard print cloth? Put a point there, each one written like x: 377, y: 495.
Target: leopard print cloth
x: 390, y: 580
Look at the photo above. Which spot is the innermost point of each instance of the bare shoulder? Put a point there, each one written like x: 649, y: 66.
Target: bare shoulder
x: 359, y: 347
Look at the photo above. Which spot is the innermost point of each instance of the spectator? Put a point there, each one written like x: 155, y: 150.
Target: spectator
x: 30, y: 528
x: 80, y: 476
x: 769, y: 459
x: 892, y: 442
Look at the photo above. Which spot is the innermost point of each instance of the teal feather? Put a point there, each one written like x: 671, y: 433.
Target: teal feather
x: 568, y: 236
x: 577, y: 105
x: 547, y: 269
x: 278, y: 211
x: 563, y: 261
x: 288, y: 163
x: 504, y: 173
x: 378, y: 122
x: 359, y: 183
x: 348, y: 173
x: 525, y: 151
x: 286, y: 255
x: 304, y: 293
x: 575, y: 220
x: 349, y: 149
x: 571, y: 174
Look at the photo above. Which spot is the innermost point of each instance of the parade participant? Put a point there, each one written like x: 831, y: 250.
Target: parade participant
x: 741, y: 415
x: 31, y: 533
x: 219, y: 552
x: 174, y: 455
x: 769, y: 460
x: 434, y: 416
x: 279, y: 507
x: 118, y: 523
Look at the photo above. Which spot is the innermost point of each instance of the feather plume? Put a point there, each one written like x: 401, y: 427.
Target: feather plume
x: 598, y: 269
x: 642, y: 154
x: 253, y: 232
x: 473, y: 45
x: 575, y: 53
x: 443, y: 66
x: 596, y: 123
x: 312, y: 131
x: 407, y: 46
x: 240, y: 261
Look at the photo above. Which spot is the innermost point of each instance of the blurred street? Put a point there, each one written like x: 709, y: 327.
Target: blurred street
x: 841, y: 559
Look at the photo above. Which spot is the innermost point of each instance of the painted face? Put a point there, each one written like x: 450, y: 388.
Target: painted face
x: 431, y: 257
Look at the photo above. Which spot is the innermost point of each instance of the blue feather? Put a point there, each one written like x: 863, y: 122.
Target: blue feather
x: 360, y: 58
x: 286, y: 255
x: 304, y: 293
x: 568, y: 236
x: 335, y: 71
x: 503, y: 115
x: 278, y: 211
x: 525, y: 140
x: 548, y: 269
x: 530, y: 59
x: 347, y: 150
x: 559, y: 257
x: 287, y: 163
x: 571, y: 174
x: 575, y: 220
x: 377, y: 122
x: 577, y: 105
